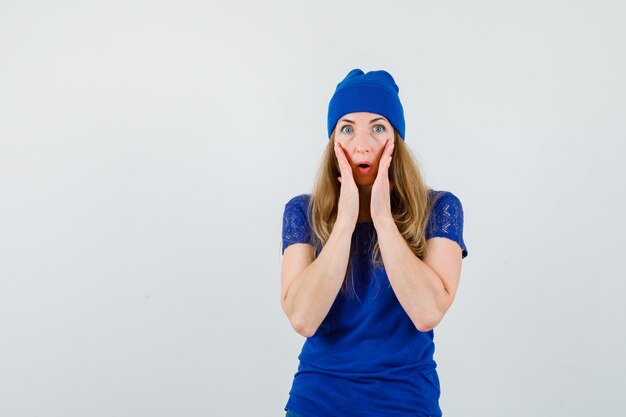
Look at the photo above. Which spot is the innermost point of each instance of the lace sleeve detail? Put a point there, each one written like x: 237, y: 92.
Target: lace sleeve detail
x: 296, y: 227
x: 447, y: 220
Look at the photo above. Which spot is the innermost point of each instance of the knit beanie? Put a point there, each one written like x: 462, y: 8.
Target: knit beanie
x: 374, y: 92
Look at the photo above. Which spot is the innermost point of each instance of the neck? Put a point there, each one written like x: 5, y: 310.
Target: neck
x: 365, y: 197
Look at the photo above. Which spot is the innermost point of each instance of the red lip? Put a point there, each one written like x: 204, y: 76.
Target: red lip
x: 364, y: 171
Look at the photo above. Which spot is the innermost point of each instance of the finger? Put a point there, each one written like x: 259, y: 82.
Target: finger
x: 385, y: 158
x: 389, y: 146
x: 344, y: 165
x: 383, y: 169
x: 339, y: 155
x: 390, y: 152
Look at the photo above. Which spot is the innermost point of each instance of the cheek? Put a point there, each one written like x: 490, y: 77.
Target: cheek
x: 379, y: 153
x: 347, y: 147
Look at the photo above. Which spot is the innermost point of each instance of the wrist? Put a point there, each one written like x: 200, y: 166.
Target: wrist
x: 343, y: 226
x: 384, y: 223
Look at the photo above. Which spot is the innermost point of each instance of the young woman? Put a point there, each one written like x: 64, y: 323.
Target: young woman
x: 371, y: 264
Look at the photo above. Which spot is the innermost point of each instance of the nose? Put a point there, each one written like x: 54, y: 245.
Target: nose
x: 362, y: 140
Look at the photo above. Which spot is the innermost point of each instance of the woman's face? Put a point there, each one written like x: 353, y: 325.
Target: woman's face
x: 362, y: 136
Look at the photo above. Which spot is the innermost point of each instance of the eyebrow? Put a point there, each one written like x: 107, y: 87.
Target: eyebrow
x: 371, y: 121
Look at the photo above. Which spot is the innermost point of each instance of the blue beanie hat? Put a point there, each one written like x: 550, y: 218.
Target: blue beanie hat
x: 374, y: 92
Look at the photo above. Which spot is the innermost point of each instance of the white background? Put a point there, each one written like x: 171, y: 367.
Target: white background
x: 147, y: 149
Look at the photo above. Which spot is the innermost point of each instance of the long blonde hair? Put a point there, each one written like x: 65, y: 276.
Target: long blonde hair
x: 410, y: 203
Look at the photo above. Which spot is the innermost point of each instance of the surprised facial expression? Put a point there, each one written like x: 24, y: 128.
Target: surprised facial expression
x: 363, y: 136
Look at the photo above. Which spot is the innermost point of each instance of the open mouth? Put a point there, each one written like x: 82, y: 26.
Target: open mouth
x: 363, y: 168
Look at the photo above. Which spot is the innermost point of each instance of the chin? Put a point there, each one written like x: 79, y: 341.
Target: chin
x: 364, y: 181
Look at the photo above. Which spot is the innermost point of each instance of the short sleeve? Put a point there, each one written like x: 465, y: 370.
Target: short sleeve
x: 296, y: 228
x: 446, y: 220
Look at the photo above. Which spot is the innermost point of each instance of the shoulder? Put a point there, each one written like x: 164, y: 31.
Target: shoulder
x: 445, y: 203
x: 299, y: 203
x: 296, y: 226
x: 446, y: 209
x: 446, y: 218
x: 442, y: 197
x: 297, y: 209
x: 299, y: 200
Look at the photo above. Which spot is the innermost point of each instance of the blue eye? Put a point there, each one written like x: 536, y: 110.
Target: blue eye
x: 379, y: 128
x: 346, y: 129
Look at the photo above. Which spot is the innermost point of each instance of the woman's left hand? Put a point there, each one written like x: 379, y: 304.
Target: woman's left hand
x: 380, y: 206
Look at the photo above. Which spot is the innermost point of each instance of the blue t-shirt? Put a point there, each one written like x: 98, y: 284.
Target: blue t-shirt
x: 367, y: 358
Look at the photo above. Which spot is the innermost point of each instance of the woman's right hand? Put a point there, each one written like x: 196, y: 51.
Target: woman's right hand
x: 348, y: 210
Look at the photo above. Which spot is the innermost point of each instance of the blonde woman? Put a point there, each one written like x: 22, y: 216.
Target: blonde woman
x: 371, y: 264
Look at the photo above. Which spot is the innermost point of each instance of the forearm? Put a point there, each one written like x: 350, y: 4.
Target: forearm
x: 417, y: 287
x: 313, y: 291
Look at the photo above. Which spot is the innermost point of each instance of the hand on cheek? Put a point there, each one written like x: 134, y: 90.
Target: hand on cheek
x: 380, y: 205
